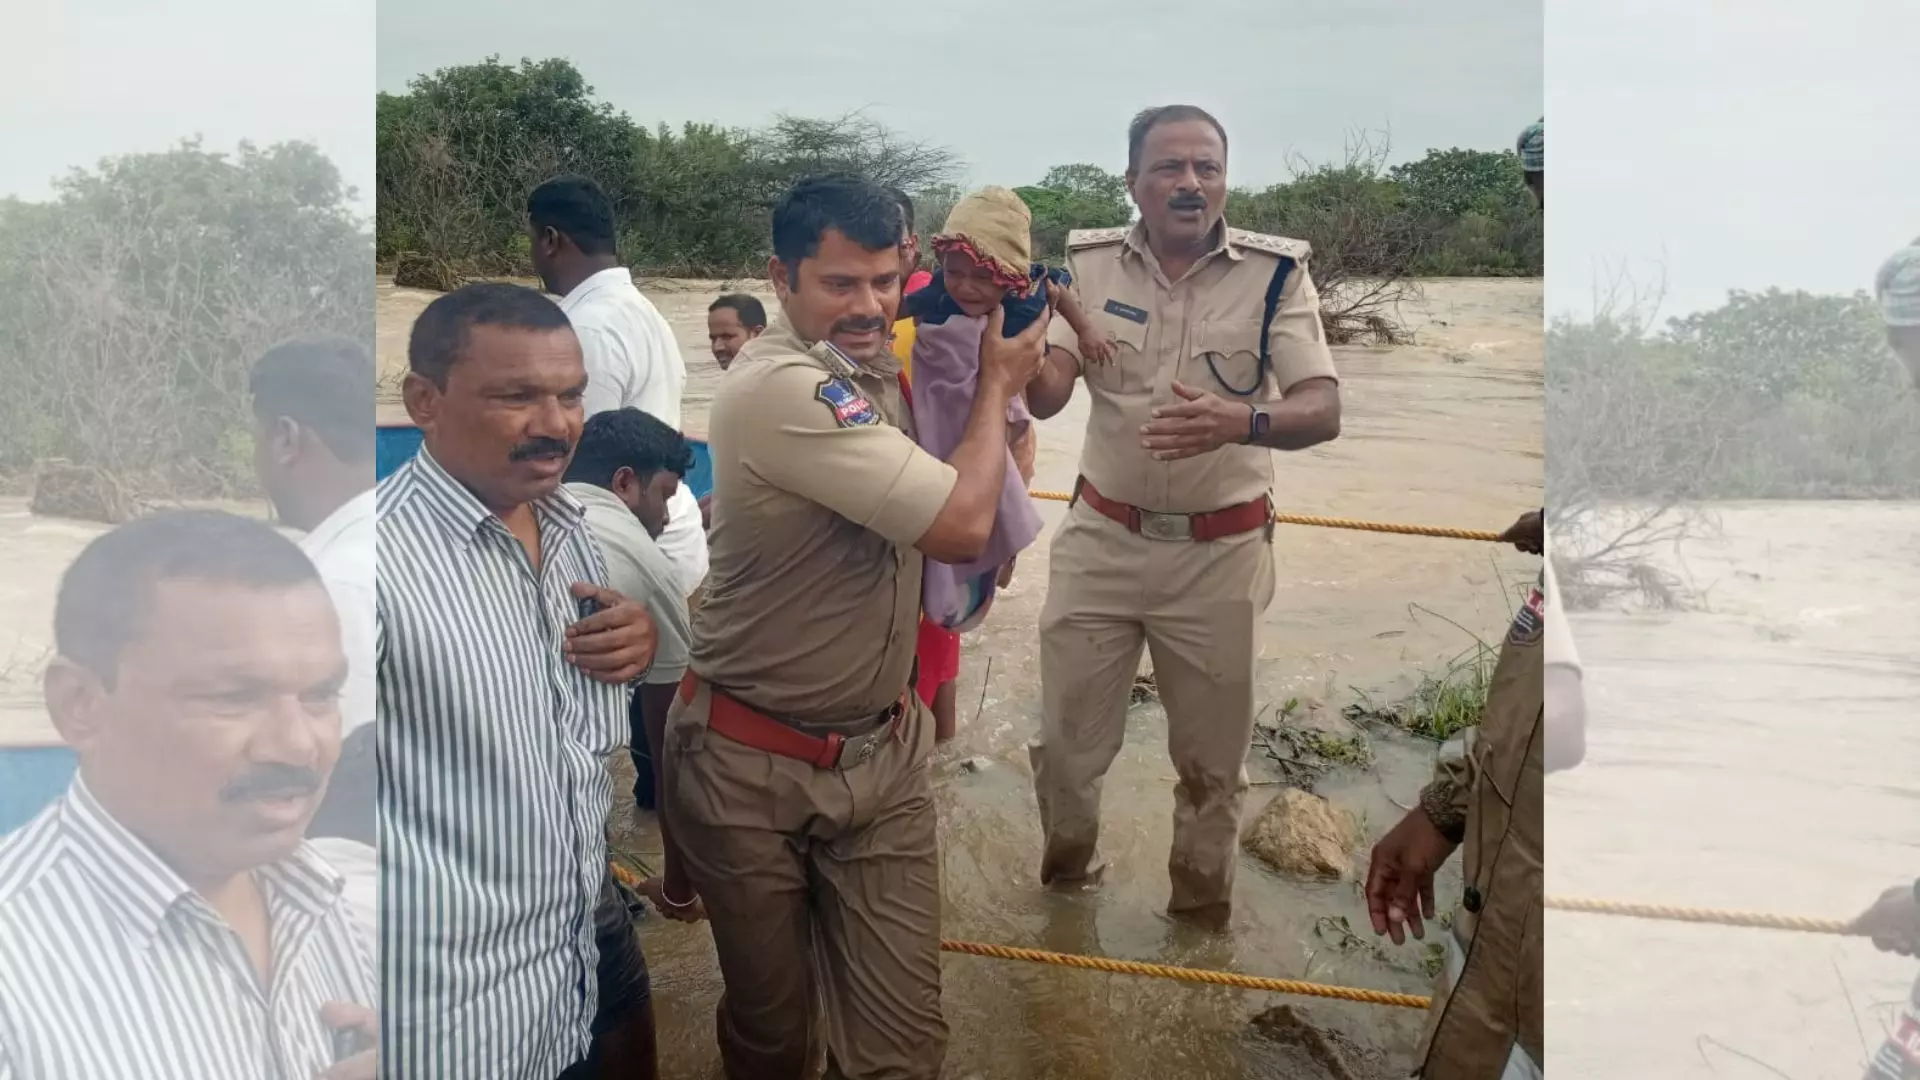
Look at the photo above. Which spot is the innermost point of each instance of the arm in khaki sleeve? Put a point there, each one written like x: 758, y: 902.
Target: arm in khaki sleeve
x: 872, y: 474
x: 1050, y: 391
x: 1445, y: 798
x: 1309, y: 410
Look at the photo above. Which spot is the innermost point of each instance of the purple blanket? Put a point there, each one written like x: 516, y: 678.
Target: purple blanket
x: 946, y: 371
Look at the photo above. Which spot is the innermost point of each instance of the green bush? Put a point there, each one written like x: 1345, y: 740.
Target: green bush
x: 133, y: 305
x: 1771, y: 395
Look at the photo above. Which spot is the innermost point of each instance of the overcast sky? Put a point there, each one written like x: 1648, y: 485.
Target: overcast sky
x: 1016, y: 89
x: 1732, y: 145
x: 88, y: 79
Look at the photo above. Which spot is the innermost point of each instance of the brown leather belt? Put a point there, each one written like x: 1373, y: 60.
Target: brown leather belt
x: 748, y: 727
x: 1213, y: 525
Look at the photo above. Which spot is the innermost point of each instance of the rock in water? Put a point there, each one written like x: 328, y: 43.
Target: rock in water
x: 83, y: 492
x: 1302, y: 834
x: 1309, y: 1051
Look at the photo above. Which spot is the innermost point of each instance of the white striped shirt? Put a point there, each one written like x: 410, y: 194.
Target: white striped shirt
x: 111, y: 967
x: 494, y: 792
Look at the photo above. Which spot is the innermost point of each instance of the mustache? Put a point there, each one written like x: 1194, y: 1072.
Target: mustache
x: 1188, y: 202
x: 541, y: 447
x: 271, y: 781
x: 859, y: 326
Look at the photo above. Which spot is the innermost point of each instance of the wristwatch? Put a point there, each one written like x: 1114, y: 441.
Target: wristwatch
x: 1257, y: 423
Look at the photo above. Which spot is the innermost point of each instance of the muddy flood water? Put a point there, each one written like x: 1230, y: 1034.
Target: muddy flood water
x: 1758, y: 753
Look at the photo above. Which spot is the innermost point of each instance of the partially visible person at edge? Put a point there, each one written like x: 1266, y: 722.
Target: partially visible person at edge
x: 1566, y: 702
x: 313, y: 451
x: 1487, y: 792
x: 165, y: 919
x: 732, y: 321
x: 1897, y: 287
x: 631, y: 356
x: 918, y: 277
x: 1893, y: 922
x: 1168, y: 543
x: 795, y: 772
x: 937, y: 649
x: 503, y: 667
x: 625, y: 472
x: 1532, y: 148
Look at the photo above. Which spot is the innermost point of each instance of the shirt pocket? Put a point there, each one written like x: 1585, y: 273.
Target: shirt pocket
x: 1226, y: 358
x: 1124, y: 323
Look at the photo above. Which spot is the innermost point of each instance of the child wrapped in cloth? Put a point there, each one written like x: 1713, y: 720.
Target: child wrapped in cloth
x: 983, y: 252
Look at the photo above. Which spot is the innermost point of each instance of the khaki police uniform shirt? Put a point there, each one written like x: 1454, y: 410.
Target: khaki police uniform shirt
x: 1168, y: 330
x: 812, y: 605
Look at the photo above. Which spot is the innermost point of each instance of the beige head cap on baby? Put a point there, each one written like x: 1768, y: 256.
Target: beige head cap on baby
x: 993, y: 226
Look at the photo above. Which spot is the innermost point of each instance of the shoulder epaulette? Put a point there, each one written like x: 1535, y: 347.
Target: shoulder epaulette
x: 1081, y: 239
x: 1297, y: 250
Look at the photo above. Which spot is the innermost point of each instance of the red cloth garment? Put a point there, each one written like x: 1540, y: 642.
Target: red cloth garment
x: 939, y: 652
x: 938, y: 648
x: 917, y: 281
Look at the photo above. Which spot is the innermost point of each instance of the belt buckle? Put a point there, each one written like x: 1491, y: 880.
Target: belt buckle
x: 1156, y: 526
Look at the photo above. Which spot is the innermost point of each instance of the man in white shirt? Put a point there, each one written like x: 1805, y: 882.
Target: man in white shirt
x: 313, y: 453
x: 632, y: 358
x: 625, y: 471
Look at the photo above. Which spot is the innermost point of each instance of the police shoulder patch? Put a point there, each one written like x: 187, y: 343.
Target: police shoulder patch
x: 1531, y: 621
x: 850, y: 408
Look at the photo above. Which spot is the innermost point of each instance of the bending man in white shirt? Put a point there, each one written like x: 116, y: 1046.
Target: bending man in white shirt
x: 313, y: 443
x: 631, y: 356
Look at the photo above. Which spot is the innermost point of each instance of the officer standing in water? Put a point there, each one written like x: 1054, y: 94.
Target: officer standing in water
x: 1220, y: 358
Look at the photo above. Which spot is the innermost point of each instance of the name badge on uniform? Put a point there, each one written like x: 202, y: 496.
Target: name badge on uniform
x: 1127, y: 312
x: 849, y: 406
x: 1531, y: 621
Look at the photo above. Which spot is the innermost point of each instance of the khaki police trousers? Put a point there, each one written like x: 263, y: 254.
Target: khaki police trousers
x: 823, y: 887
x: 1195, y: 607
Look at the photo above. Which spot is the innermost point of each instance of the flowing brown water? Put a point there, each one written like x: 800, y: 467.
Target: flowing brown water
x: 1759, y: 753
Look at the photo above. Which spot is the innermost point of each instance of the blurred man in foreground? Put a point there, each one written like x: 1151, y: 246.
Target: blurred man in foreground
x: 165, y: 919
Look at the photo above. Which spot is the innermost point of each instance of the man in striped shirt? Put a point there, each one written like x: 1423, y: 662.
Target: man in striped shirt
x: 502, y: 679
x: 165, y: 920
